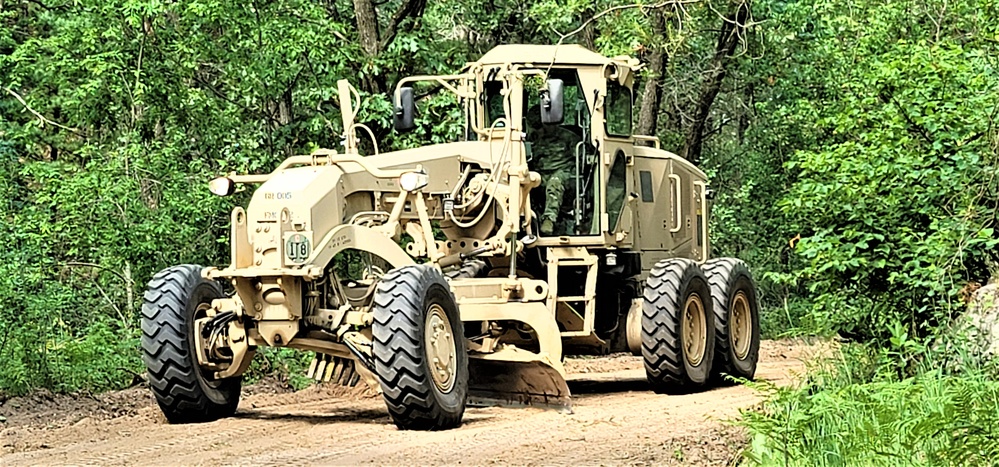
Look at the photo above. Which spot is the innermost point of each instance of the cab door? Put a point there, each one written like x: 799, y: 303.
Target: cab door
x: 617, y: 154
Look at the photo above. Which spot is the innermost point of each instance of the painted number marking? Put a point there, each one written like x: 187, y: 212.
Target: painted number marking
x: 297, y: 248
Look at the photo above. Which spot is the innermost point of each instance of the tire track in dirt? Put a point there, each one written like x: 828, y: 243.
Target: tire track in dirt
x: 616, y: 420
x: 181, y: 437
x: 178, y: 439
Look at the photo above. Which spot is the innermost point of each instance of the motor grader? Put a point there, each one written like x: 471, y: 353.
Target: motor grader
x: 424, y: 273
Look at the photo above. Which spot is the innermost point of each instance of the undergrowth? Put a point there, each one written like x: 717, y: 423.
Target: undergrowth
x: 286, y: 365
x: 858, y: 409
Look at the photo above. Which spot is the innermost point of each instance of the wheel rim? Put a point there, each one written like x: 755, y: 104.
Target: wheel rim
x: 740, y: 325
x: 441, y: 352
x: 694, y: 330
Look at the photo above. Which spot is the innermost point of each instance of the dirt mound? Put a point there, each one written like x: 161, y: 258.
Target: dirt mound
x: 43, y: 408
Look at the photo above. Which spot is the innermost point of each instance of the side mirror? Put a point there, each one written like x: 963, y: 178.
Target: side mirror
x: 552, y: 104
x: 404, y: 110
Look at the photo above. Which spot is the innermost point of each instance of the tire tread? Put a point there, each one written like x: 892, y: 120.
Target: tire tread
x: 722, y: 274
x: 406, y: 386
x: 173, y: 375
x: 661, y: 341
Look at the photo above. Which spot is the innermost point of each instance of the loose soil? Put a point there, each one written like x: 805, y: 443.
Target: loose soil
x: 616, y: 420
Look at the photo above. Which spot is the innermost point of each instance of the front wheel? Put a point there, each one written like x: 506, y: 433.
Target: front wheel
x: 174, y: 299
x: 419, y: 349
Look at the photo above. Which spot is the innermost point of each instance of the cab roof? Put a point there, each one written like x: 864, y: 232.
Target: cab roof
x: 567, y: 54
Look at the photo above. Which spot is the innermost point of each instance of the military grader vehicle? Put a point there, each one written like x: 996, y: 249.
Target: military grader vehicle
x: 424, y: 272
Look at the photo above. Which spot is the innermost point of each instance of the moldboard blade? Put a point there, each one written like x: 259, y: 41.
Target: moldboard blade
x: 509, y: 383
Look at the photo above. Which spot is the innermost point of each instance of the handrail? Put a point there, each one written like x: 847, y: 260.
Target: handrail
x: 677, y: 218
x: 333, y: 158
x: 653, y: 139
x: 440, y: 79
x: 704, y: 218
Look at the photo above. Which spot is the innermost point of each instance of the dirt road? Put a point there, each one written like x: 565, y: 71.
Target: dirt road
x: 616, y: 420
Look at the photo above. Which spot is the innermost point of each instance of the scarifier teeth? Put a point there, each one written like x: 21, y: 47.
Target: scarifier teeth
x: 321, y: 370
x: 312, y: 367
x: 341, y: 371
x: 326, y: 368
x: 330, y: 370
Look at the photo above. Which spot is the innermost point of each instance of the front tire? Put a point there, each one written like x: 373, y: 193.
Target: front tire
x: 678, y: 326
x: 174, y: 299
x: 737, y: 318
x: 419, y: 349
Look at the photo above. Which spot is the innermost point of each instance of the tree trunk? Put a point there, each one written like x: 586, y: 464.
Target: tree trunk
x: 728, y: 39
x: 367, y: 26
x: 374, y: 41
x: 652, y: 96
x: 588, y: 36
x: 284, y: 108
x: 747, y: 112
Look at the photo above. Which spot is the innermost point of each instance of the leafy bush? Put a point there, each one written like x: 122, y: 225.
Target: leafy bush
x: 896, y: 201
x: 890, y: 124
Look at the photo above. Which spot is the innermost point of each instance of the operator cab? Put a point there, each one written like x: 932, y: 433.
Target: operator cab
x: 566, y: 146
x: 587, y: 147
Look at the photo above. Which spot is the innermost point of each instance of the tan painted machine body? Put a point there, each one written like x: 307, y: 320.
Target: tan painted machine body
x: 321, y: 230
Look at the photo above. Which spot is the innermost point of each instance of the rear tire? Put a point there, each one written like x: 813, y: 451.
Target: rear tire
x: 677, y: 326
x: 737, y: 318
x: 185, y: 394
x: 419, y: 349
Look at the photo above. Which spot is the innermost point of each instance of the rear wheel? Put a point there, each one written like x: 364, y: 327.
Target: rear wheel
x: 677, y: 326
x: 737, y: 318
x: 175, y: 298
x: 419, y: 349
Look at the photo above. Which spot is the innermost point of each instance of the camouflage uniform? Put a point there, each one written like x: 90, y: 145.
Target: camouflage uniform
x: 553, y: 150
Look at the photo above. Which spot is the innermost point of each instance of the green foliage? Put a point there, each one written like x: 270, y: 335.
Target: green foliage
x: 880, y: 122
x: 855, y: 411
x: 286, y: 365
x: 890, y: 180
x: 141, y: 104
x: 898, y: 208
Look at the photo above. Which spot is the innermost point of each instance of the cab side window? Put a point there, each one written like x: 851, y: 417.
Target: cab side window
x: 618, y: 110
x: 494, y: 103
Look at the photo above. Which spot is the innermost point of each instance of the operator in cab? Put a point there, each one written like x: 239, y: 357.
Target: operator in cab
x: 552, y: 150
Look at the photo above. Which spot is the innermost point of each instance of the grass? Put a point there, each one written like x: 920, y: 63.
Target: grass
x: 856, y: 410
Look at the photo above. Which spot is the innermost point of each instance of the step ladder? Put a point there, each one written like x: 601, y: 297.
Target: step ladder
x: 574, y: 322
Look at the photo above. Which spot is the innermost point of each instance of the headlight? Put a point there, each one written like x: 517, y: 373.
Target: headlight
x: 412, y: 181
x: 222, y: 186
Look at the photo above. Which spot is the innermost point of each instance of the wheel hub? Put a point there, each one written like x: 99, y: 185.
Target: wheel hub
x: 442, y: 354
x: 694, y: 330
x: 207, y: 373
x: 740, y: 325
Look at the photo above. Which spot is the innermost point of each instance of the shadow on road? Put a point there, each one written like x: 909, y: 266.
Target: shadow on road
x: 366, y: 416
x: 607, y: 386
x: 339, y: 416
x: 579, y: 387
